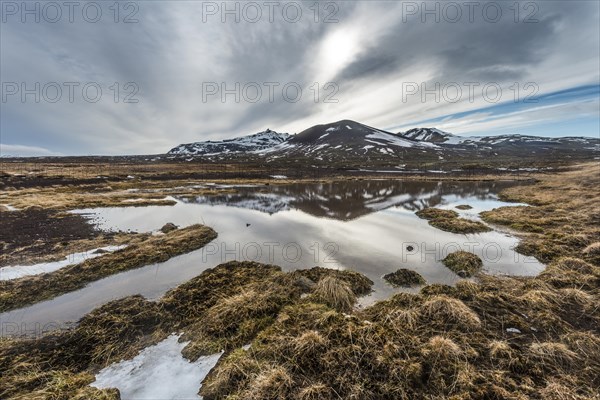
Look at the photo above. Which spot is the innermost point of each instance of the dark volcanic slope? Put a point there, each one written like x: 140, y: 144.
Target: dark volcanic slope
x: 349, y: 141
x: 349, y: 134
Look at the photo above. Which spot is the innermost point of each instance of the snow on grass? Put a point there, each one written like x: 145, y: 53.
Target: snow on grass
x: 19, y: 271
x: 9, y: 207
x: 158, y: 372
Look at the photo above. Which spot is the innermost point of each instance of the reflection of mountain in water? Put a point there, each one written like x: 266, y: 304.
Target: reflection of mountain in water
x: 347, y: 200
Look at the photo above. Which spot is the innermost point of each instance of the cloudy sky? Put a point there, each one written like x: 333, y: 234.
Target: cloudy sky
x: 142, y: 77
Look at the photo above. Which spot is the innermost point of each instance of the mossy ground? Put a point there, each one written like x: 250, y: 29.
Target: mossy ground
x: 404, y: 277
x: 448, y: 220
x: 463, y: 263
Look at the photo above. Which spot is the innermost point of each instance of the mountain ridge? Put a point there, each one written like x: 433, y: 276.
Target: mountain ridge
x: 253, y: 142
x: 348, y: 142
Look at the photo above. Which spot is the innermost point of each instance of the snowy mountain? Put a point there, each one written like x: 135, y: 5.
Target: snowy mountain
x: 244, y: 144
x: 431, y: 135
x: 346, y: 139
x: 439, y: 137
x: 348, y: 144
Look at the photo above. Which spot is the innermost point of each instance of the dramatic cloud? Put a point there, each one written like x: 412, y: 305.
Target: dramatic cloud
x: 188, y: 71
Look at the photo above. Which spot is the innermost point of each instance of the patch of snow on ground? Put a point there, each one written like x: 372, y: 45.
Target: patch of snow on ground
x: 323, y: 136
x: 19, y: 271
x: 278, y: 176
x: 158, y: 372
x: 139, y: 200
x: 9, y: 207
x: 319, y: 147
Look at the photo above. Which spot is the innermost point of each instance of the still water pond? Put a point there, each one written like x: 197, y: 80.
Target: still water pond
x: 368, y: 226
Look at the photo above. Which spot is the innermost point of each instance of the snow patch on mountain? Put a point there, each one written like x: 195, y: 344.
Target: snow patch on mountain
x: 258, y: 141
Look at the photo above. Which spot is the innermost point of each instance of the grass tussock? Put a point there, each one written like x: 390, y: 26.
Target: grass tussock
x: 551, y: 354
x: 448, y: 220
x: 27, y: 290
x: 592, y: 253
x: 463, y: 207
x: 404, y: 277
x: 463, y: 263
x: 436, y: 213
x: 428, y: 345
x: 360, y: 284
x: 447, y: 311
x: 335, y: 293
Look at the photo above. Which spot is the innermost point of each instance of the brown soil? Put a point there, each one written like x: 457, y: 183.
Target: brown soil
x: 37, y: 235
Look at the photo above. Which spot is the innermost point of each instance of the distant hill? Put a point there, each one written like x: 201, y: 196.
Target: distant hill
x: 257, y: 141
x: 348, y: 143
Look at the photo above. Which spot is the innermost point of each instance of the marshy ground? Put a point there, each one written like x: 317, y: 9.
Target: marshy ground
x: 487, y: 338
x: 448, y: 220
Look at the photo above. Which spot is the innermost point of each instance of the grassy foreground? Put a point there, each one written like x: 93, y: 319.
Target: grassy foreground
x: 31, y: 289
x: 498, y: 338
x: 223, y: 308
x: 503, y: 338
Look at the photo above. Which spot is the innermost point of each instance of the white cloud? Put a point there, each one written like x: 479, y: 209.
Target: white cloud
x: 370, y: 53
x: 17, y: 150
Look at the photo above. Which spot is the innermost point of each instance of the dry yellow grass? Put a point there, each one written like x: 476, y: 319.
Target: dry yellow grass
x: 448, y: 220
x: 335, y: 293
x: 565, y: 219
x: 448, y: 311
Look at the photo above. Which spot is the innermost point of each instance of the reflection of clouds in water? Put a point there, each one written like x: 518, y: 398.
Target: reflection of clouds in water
x: 372, y: 242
